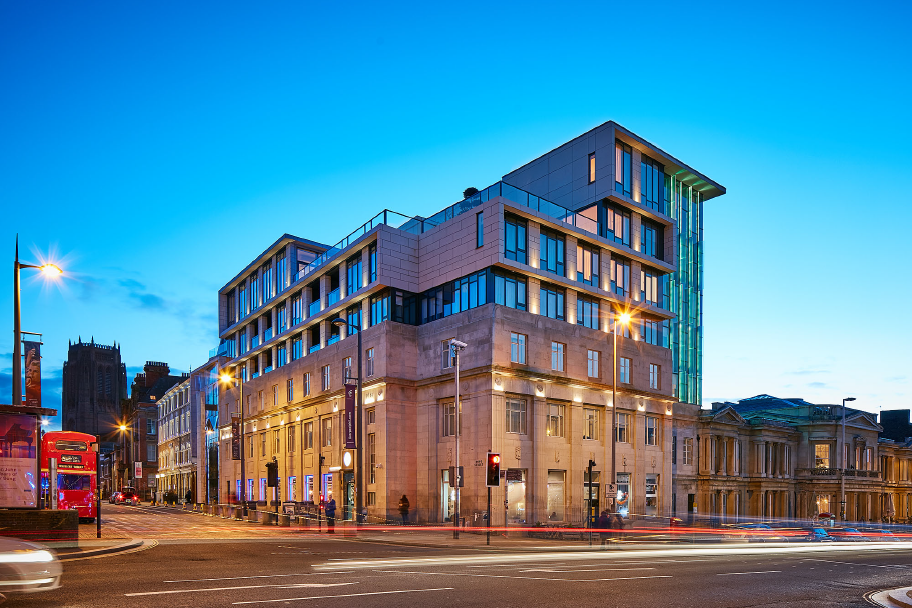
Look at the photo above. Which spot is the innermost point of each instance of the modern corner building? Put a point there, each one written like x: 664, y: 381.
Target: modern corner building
x: 532, y: 274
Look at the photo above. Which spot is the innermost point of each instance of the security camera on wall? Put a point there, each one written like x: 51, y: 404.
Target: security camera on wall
x: 457, y: 344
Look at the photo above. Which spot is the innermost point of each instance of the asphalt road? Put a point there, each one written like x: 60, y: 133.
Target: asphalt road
x: 323, y: 571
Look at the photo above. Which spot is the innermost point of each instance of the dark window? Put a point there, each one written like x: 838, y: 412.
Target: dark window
x: 297, y: 347
x: 552, y: 302
x: 353, y: 275
x: 515, y: 243
x: 652, y: 239
x: 353, y: 314
x: 462, y: 294
x: 510, y: 291
x: 652, y: 184
x: 552, y: 253
x: 372, y: 255
x: 654, y: 332
x: 623, y: 168
x: 281, y: 271
x: 587, y: 313
x: 479, y: 229
x: 379, y: 309
x: 297, y: 312
x: 403, y: 307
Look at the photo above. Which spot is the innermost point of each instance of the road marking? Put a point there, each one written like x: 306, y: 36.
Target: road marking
x: 289, y: 586
x: 324, y: 597
x: 758, y: 572
x: 586, y: 570
x: 856, y: 564
x: 232, y: 578
x: 530, y: 578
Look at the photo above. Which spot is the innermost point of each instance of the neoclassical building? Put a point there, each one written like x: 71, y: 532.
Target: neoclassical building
x: 530, y: 273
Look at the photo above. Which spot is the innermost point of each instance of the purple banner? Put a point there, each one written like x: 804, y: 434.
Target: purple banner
x: 350, y: 416
x: 235, y: 437
x: 32, y: 373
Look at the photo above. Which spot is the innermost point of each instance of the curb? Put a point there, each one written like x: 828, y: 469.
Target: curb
x: 893, y: 598
x: 122, y: 548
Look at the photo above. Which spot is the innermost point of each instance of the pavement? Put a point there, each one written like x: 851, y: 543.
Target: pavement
x: 188, y: 559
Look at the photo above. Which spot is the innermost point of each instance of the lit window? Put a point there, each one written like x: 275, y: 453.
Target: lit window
x: 652, y: 430
x: 591, y: 168
x: 517, y: 348
x: 557, y: 356
x: 593, y: 363
x: 590, y: 423
x: 555, y: 426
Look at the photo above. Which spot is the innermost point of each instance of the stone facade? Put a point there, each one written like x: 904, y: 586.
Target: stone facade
x: 94, y: 383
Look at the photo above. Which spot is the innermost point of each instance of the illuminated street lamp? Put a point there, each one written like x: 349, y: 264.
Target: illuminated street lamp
x: 228, y: 379
x: 123, y: 455
x: 48, y: 270
x: 624, y: 319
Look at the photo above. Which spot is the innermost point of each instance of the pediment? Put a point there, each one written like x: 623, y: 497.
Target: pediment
x: 728, y: 415
x: 863, y: 420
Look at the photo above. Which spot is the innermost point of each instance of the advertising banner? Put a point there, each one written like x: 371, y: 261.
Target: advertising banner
x: 350, y: 416
x: 235, y: 437
x: 137, y: 470
x: 32, y: 373
x: 18, y: 461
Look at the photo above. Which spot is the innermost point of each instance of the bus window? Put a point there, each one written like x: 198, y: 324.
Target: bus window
x: 64, y: 445
x: 74, y: 482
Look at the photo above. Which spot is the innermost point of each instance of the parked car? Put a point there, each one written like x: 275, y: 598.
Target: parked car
x: 127, y: 496
x: 27, y: 567
x: 113, y: 498
x: 847, y: 534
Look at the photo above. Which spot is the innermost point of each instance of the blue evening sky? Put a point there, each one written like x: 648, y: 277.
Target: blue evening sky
x: 156, y: 149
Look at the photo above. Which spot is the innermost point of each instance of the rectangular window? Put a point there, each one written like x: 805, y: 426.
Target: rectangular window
x: 281, y: 319
x: 650, y: 287
x: 552, y: 252
x: 306, y: 385
x: 652, y: 184
x: 653, y: 376
x: 555, y: 426
x: 372, y: 416
x: 551, y: 300
x: 517, y: 348
x: 587, y: 313
x: 327, y: 432
x: 371, y: 499
x: 623, y: 168
x: 262, y: 444
x: 624, y: 370
x: 587, y: 265
x: 447, y: 355
x: 654, y: 332
x: 372, y: 257
x: 687, y: 455
x: 616, y: 225
x: 275, y: 441
x: 346, y: 370
x: 674, y: 449
x: 281, y: 355
x: 281, y: 271
x: 151, y: 426
x: 353, y: 274
x: 592, y: 168
x: 620, y: 277
x: 372, y: 457
x: 308, y: 435
x: 822, y: 456
x: 370, y: 362
x: 652, y: 430
x: 516, y: 416
x: 290, y: 440
x: 151, y: 453
x: 650, y: 243
x: 289, y: 390
x: 515, y: 239
x: 556, y: 495
x: 622, y: 428
x: 510, y: 291
x: 353, y: 316
x: 590, y: 423
x: 593, y: 363
x: 379, y: 309
x: 275, y: 394
x: 268, y: 282
x: 250, y: 447
x: 297, y: 347
x: 557, y: 356
x: 263, y: 490
x: 449, y: 419
x: 479, y: 229
x: 325, y: 378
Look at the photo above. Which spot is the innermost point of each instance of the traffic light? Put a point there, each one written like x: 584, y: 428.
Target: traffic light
x: 492, y: 470
x: 272, y: 474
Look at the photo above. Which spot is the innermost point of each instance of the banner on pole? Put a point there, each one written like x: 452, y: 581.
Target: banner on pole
x: 350, y: 416
x: 32, y: 373
x: 137, y: 470
x: 235, y: 437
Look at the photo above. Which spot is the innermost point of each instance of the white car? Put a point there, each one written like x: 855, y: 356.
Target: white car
x: 27, y: 567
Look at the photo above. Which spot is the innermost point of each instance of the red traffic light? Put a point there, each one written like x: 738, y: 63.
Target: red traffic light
x: 495, y: 458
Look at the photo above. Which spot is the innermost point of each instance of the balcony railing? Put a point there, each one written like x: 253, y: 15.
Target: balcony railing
x: 313, y: 349
x: 267, y: 334
x: 254, y: 342
x: 332, y: 297
x: 314, y: 308
x: 332, y: 340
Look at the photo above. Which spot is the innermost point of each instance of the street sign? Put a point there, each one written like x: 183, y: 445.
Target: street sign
x: 514, y: 474
x: 611, y: 490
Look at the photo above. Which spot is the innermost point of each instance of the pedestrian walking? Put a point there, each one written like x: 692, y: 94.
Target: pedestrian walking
x: 189, y: 497
x: 331, y: 516
x: 604, y: 524
x: 404, y: 509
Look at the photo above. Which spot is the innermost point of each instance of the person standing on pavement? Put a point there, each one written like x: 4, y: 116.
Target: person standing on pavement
x: 331, y: 516
x: 189, y: 497
x: 404, y: 509
x: 604, y: 524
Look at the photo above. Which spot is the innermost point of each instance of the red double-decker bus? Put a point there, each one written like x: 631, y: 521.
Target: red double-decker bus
x: 76, y: 474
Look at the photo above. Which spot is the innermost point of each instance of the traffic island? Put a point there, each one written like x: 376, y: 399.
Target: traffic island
x: 46, y: 525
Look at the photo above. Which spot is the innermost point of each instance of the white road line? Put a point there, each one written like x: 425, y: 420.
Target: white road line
x: 586, y: 570
x: 288, y: 586
x: 530, y: 578
x: 324, y: 597
x: 232, y: 578
x: 758, y: 572
x: 856, y: 564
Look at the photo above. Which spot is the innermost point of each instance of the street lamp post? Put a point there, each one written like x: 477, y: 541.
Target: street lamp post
x: 456, y: 346
x: 50, y: 270
x: 842, y: 458
x: 226, y: 378
x: 123, y: 455
x: 359, y: 464
x: 625, y: 319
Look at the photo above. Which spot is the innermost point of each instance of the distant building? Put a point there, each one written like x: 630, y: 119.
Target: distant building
x: 896, y: 425
x: 94, y: 383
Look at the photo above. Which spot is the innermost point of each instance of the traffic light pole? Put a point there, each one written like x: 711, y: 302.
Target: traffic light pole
x: 489, y: 515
